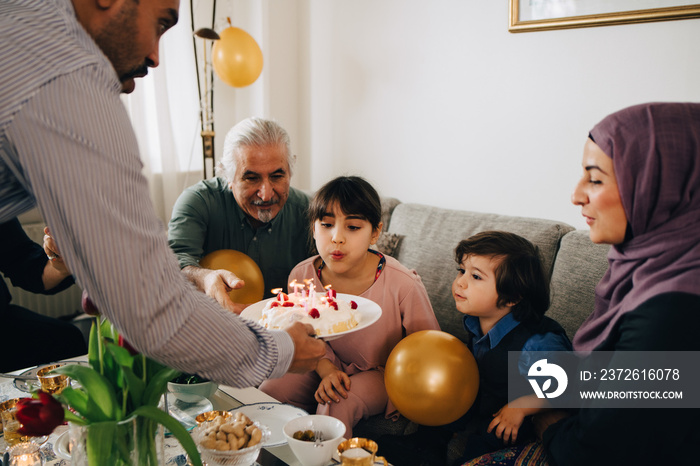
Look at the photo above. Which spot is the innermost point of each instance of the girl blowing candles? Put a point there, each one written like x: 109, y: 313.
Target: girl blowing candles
x: 348, y: 383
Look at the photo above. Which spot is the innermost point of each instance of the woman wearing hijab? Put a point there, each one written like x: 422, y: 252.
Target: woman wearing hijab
x: 640, y: 192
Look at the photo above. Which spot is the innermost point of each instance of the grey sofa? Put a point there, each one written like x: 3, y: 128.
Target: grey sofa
x: 424, y: 238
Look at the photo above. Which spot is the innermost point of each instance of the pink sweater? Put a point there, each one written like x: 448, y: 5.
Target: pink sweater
x: 405, y: 309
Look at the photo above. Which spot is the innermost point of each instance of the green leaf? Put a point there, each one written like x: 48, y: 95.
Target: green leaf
x: 136, y: 386
x: 121, y: 355
x: 77, y: 399
x: 94, y: 345
x: 98, y: 389
x: 100, y: 438
x: 157, y: 385
x: 108, y: 330
x: 174, y: 426
x: 70, y: 416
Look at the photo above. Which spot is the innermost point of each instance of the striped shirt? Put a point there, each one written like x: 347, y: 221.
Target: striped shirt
x: 67, y: 146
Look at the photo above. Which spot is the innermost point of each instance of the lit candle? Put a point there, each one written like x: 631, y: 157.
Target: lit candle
x: 296, y: 286
x: 25, y: 454
x: 312, y: 293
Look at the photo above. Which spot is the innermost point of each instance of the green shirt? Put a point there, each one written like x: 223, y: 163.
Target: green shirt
x: 207, y: 218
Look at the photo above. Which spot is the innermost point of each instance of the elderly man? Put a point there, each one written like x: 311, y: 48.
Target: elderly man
x: 249, y: 207
x: 67, y: 145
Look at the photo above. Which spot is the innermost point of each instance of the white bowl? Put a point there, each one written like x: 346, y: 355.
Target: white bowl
x: 192, y: 392
x: 310, y: 453
x: 243, y: 457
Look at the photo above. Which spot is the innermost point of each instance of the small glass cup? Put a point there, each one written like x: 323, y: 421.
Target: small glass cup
x: 25, y: 454
x: 51, y: 383
x: 10, y: 424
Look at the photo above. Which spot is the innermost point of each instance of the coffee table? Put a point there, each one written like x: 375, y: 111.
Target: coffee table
x: 225, y: 398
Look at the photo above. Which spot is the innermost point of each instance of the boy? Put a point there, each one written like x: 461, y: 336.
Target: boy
x: 503, y: 292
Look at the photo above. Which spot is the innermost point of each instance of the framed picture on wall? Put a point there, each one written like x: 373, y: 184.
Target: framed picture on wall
x: 540, y: 15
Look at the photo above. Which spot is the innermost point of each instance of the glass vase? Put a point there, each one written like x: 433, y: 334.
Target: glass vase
x: 133, y: 441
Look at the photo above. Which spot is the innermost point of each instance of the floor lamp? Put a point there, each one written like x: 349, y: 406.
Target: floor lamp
x: 237, y: 60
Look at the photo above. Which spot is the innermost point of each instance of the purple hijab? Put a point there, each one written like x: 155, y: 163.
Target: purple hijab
x: 655, y: 150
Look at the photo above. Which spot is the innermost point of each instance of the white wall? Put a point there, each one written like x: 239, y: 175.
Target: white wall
x: 437, y: 103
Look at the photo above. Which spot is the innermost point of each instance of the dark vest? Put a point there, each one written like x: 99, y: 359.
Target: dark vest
x: 493, y: 368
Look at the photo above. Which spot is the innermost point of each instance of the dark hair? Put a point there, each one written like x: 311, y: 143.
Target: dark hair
x: 520, y: 276
x: 352, y: 195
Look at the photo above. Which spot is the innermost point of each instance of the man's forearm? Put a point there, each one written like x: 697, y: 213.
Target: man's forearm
x: 52, y: 277
x: 195, y: 275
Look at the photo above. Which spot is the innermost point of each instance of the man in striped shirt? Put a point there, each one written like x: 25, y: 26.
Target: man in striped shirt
x: 67, y: 146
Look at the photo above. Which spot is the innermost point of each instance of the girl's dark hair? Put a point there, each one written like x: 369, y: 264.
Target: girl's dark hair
x: 352, y: 195
x: 520, y: 276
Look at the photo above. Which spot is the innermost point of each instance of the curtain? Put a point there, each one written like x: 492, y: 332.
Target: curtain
x: 164, y: 111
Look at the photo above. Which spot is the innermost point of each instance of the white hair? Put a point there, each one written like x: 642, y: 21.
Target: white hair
x: 252, y: 132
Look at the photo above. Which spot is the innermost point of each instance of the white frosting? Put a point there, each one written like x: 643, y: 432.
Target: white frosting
x: 328, y: 322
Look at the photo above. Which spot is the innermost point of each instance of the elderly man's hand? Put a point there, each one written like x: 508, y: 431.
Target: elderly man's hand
x: 217, y: 284
x: 308, y: 350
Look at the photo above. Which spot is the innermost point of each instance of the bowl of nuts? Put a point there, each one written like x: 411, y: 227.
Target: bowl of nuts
x: 230, y: 440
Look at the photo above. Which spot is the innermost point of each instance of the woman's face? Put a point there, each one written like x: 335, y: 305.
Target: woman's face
x: 599, y: 197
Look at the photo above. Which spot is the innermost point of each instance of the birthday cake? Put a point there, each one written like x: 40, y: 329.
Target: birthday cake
x: 326, y: 313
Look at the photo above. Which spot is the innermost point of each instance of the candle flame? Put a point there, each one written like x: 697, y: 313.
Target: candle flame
x: 276, y: 290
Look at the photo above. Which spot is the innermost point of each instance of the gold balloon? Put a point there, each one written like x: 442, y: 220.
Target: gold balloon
x: 431, y: 377
x: 236, y: 57
x: 244, y: 267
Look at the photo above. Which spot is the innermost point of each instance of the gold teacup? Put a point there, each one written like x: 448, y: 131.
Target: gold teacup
x: 51, y: 383
x: 10, y: 424
x: 359, y: 452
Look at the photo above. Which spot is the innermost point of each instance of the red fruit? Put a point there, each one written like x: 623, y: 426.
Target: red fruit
x: 274, y: 304
x: 287, y: 304
x: 333, y: 304
x: 314, y: 314
x: 330, y: 293
x: 353, y: 305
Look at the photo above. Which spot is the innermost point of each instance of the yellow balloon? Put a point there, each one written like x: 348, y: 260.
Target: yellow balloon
x: 244, y: 267
x: 236, y: 57
x: 431, y: 377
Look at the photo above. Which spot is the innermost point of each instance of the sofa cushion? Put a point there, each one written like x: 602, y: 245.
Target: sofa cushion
x: 579, y: 266
x: 388, y: 243
x: 431, y: 234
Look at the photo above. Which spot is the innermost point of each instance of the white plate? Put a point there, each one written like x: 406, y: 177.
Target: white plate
x: 369, y: 312
x: 62, y: 446
x: 272, y: 415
